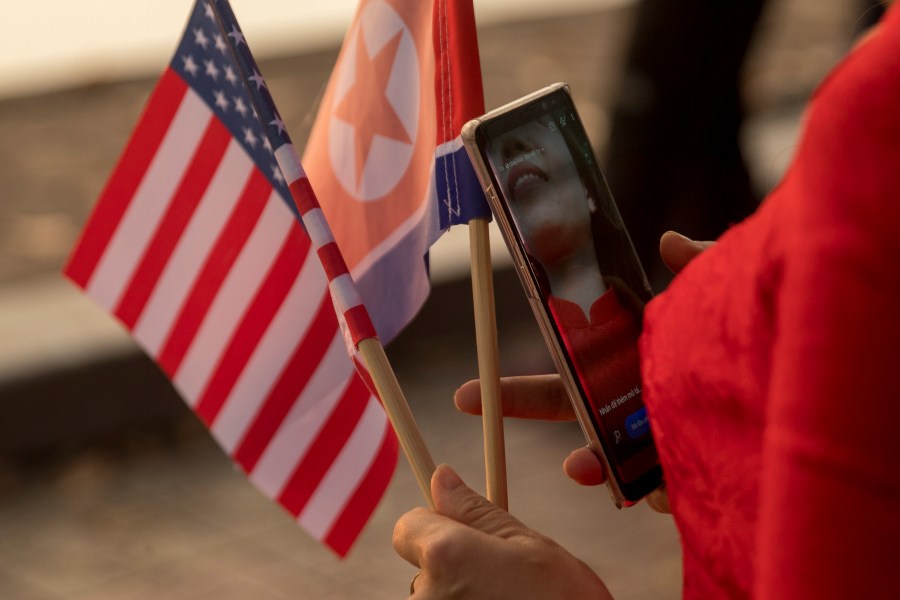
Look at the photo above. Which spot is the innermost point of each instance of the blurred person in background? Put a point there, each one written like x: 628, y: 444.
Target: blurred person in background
x: 674, y: 158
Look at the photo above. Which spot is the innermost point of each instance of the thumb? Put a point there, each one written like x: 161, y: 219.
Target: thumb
x: 456, y: 500
x: 677, y: 251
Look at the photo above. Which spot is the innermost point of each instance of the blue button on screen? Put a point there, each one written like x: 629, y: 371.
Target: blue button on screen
x: 637, y: 424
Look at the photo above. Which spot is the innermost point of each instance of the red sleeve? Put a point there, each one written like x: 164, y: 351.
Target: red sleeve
x: 829, y: 523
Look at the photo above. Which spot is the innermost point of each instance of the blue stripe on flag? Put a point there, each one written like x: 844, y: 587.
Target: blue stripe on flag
x: 459, y: 194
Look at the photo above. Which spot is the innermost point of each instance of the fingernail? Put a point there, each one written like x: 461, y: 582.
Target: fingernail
x: 456, y: 398
x: 447, y: 478
x: 464, y: 404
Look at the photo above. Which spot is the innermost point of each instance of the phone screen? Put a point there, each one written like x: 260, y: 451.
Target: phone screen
x: 582, y: 266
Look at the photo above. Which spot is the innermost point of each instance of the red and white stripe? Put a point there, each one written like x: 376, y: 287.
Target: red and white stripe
x: 190, y: 247
x: 343, y: 291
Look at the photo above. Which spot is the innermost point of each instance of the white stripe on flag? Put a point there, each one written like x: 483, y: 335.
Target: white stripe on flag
x: 449, y: 147
x: 302, y: 424
x: 271, y: 355
x: 237, y: 291
x: 343, y: 290
x: 289, y: 163
x: 129, y: 242
x: 192, y: 250
x: 345, y: 474
x: 411, y: 226
x: 317, y: 228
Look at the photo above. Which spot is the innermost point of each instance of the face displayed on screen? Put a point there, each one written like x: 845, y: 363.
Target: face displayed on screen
x: 547, y: 196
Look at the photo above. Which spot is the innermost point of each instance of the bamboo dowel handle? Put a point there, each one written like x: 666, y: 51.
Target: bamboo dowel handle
x: 398, y: 412
x: 488, y: 362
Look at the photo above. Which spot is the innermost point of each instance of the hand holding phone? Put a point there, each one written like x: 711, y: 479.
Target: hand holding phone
x: 579, y: 270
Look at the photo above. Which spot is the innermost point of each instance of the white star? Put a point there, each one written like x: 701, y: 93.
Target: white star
x: 221, y: 101
x: 268, y: 145
x: 240, y: 106
x: 278, y: 123
x: 220, y: 44
x: 258, y: 80
x: 200, y: 38
x: 250, y: 138
x: 209, y: 12
x: 276, y: 174
x: 189, y: 65
x: 211, y: 69
x: 237, y: 36
x: 230, y: 75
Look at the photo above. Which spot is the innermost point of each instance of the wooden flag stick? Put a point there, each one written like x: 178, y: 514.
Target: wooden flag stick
x: 488, y: 362
x: 398, y: 412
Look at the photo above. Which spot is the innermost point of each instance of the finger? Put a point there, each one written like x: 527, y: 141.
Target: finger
x: 409, y: 530
x: 420, y: 529
x: 443, y: 549
x: 526, y: 397
x: 677, y: 251
x: 456, y: 500
x: 584, y: 467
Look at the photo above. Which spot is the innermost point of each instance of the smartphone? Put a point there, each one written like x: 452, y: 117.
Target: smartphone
x: 579, y: 269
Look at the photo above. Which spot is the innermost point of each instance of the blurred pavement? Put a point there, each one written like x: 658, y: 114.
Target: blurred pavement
x: 109, y: 488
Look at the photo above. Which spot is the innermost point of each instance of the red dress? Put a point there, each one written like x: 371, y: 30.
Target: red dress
x: 771, y: 365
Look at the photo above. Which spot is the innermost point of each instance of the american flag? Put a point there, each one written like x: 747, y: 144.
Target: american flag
x: 195, y: 247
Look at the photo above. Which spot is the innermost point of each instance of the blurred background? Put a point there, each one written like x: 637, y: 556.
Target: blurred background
x: 110, y: 488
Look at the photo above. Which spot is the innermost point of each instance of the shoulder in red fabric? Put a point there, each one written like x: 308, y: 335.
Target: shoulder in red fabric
x: 769, y: 364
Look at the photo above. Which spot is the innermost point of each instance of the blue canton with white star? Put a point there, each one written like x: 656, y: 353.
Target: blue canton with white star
x: 205, y: 63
